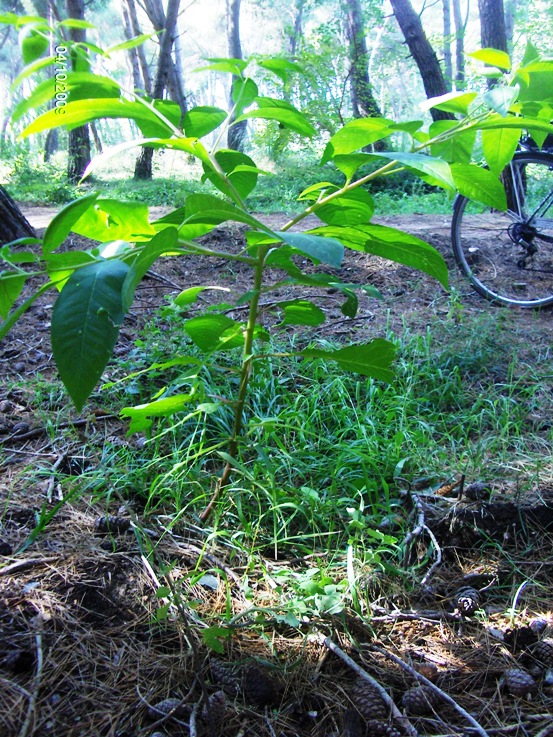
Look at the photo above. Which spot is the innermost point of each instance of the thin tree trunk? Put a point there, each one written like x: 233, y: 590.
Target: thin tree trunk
x: 423, y: 54
x: 296, y: 34
x: 510, y: 13
x: 460, y: 27
x: 492, y: 24
x: 144, y: 68
x: 363, y: 101
x: 143, y: 167
x: 237, y: 132
x: 78, y: 153
x: 448, y: 61
x: 133, y: 53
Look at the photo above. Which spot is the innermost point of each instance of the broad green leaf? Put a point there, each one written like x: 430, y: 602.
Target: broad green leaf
x: 131, y: 43
x: 451, y: 102
x: 199, y: 121
x: 392, y: 244
x: 284, y: 113
x: 315, y: 191
x: 20, y: 257
x: 352, y: 208
x: 85, y: 325
x: 499, y: 145
x: 369, y: 359
x: 204, y: 208
x: 500, y: 99
x: 62, y: 223
x: 33, y: 41
x: 536, y: 81
x: 244, y: 92
x: 80, y: 112
x: 436, y: 169
x: 479, y: 184
x: 348, y: 164
x: 356, y: 135
x: 520, y: 123
x: 531, y: 54
x: 240, y: 170
x: 60, y: 266
x: 190, y: 295
x: 301, y: 312
x: 30, y: 69
x: 11, y: 285
x: 328, y: 250
x: 457, y: 147
x: 409, y: 126
x: 215, y: 332
x: 493, y: 57
x: 280, y: 67
x: 232, y: 66
x: 113, y: 220
x: 76, y: 23
x: 79, y: 86
x: 161, y: 244
x: 163, y: 407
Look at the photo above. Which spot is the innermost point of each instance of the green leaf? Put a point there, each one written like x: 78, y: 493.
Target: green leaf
x: 131, y: 43
x: 451, y: 102
x: 240, y: 170
x: 457, y: 147
x: 284, y: 113
x: 348, y: 164
x: 493, y: 57
x: 199, y: 121
x: 76, y: 23
x: 62, y: 223
x: 280, y: 67
x: 11, y: 285
x: 520, y: 123
x: 211, y: 638
x: 232, y: 66
x: 369, y: 359
x: 215, y: 332
x: 164, y: 407
x: 392, y: 244
x: 204, y: 208
x: 244, y: 92
x: 33, y: 41
x: 190, y: 295
x: 500, y: 99
x: 499, y: 145
x: 301, y: 312
x: 328, y: 250
x: 80, y: 112
x: 161, y: 244
x: 536, y: 82
x: 85, y: 325
x: 351, y: 208
x: 479, y: 184
x: 60, y: 266
x: 437, y: 170
x: 113, y: 220
x: 355, y: 135
x: 30, y: 69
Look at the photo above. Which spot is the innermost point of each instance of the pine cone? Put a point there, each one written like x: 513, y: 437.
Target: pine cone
x: 227, y: 676
x: 420, y: 701
x: 467, y: 600
x: 519, y: 683
x: 162, y: 708
x: 112, y: 523
x: 216, y: 709
x: 368, y: 701
x: 376, y: 728
x: 260, y: 688
x: 543, y: 652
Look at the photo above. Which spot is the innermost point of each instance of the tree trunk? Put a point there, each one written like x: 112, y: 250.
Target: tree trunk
x: 141, y: 54
x: 423, y: 54
x: 296, y: 32
x: 448, y: 61
x: 13, y: 224
x: 510, y: 13
x: 362, y: 99
x: 460, y: 27
x: 492, y: 24
x: 143, y: 167
x: 78, y: 152
x: 237, y: 132
x: 133, y: 53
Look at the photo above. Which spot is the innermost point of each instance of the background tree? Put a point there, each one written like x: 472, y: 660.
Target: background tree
x: 362, y: 99
x: 422, y: 52
x: 460, y: 28
x: 492, y: 24
x: 78, y: 150
x: 237, y: 133
x: 145, y: 78
x: 13, y: 224
x: 166, y: 74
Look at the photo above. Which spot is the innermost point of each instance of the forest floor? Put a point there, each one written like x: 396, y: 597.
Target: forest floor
x: 81, y: 652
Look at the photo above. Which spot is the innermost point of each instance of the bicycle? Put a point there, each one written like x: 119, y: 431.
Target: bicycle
x: 508, y: 256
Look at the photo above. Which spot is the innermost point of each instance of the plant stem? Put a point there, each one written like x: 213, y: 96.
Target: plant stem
x: 245, y: 374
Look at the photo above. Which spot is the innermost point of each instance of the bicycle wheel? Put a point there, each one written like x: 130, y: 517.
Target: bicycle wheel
x: 508, y: 256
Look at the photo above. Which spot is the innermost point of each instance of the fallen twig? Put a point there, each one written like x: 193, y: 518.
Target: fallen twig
x: 36, y: 683
x: 23, y: 565
x: 398, y: 716
x: 443, y: 695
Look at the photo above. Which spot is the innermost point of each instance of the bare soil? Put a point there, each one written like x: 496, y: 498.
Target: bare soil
x: 81, y: 651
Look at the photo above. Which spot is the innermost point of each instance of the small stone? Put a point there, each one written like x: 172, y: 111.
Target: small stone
x: 477, y: 491
x: 165, y: 707
x: 5, y: 548
x: 20, y: 428
x: 519, y: 683
x: 420, y: 701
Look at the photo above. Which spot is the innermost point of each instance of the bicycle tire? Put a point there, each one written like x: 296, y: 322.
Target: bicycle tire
x: 487, y: 243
